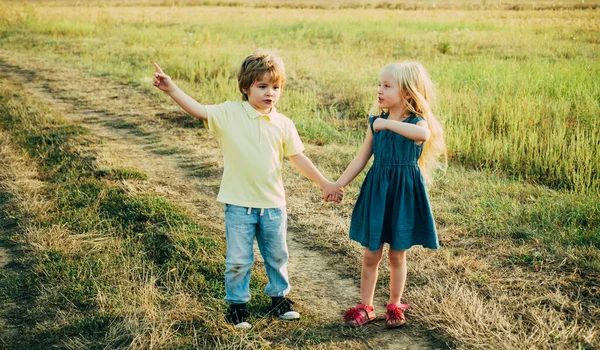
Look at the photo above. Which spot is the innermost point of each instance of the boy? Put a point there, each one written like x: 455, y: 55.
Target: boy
x: 254, y: 138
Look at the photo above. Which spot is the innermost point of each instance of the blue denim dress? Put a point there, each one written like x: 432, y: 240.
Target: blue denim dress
x: 393, y: 206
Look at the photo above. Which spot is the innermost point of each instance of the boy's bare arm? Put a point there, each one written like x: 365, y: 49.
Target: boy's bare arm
x: 164, y: 83
x: 308, y: 169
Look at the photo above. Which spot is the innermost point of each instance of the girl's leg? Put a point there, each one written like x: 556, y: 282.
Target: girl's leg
x: 394, y: 314
x: 368, y: 275
x: 368, y: 280
x: 397, y: 275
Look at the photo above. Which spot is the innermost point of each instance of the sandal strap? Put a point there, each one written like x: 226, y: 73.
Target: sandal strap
x: 354, y: 314
x: 366, y: 308
x: 395, y: 312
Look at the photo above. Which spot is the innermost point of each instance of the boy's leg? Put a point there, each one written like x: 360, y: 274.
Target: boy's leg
x: 240, y: 229
x: 271, y: 237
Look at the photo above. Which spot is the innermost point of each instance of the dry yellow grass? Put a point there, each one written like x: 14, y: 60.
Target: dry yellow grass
x: 342, y: 4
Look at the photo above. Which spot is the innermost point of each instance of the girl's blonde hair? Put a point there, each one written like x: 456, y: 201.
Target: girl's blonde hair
x: 414, y: 81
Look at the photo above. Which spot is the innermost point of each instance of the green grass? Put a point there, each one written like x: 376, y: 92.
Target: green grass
x: 201, y: 172
x: 518, y: 90
x: 165, y: 151
x: 121, y: 174
x: 547, y: 224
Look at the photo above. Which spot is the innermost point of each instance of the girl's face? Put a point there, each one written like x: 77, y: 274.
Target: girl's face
x: 388, y: 92
x: 263, y: 94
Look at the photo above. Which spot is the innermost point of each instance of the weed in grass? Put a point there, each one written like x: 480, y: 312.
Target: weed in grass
x: 120, y: 124
x: 92, y: 120
x: 181, y: 119
x: 204, y: 172
x: 121, y: 174
x: 140, y: 133
x: 444, y: 47
x: 153, y: 139
x: 169, y: 150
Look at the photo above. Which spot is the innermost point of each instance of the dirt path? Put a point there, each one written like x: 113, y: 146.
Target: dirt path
x: 184, y: 165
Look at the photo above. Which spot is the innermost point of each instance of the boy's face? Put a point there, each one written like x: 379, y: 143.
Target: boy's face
x: 263, y: 94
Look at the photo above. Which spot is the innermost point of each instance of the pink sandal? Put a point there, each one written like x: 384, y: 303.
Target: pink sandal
x: 395, y: 315
x: 355, y: 317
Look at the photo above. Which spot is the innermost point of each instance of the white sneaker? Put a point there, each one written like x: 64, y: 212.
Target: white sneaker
x: 283, y: 308
x: 238, y: 316
x: 243, y: 325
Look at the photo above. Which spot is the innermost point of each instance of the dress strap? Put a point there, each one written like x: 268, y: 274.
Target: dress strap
x: 413, y: 119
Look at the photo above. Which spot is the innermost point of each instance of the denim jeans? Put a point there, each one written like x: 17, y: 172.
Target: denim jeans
x: 269, y: 227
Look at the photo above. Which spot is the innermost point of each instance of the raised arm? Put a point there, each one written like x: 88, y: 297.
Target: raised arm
x: 164, y: 83
x: 418, y: 132
x: 359, y: 162
x: 308, y: 169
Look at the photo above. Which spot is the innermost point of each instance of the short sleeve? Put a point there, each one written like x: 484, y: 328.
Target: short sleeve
x: 292, y: 144
x: 217, y: 116
x: 414, y: 119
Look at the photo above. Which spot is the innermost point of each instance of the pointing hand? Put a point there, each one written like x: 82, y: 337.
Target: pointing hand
x: 161, y: 80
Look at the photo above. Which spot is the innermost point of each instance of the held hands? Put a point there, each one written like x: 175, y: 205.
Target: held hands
x: 162, y: 81
x: 333, y: 192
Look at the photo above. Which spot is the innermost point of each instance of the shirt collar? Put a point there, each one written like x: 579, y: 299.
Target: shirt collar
x: 253, y: 113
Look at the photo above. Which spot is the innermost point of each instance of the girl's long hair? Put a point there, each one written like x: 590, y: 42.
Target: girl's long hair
x: 414, y: 81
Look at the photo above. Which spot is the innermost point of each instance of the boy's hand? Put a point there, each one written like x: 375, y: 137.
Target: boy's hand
x: 332, y: 192
x: 162, y: 81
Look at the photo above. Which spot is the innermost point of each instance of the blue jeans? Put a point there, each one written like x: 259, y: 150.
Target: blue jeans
x: 269, y: 226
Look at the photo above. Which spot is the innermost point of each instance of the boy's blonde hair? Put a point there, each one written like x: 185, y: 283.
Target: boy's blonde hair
x: 414, y: 81
x: 258, y: 64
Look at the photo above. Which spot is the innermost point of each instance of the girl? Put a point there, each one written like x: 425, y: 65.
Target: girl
x: 392, y: 206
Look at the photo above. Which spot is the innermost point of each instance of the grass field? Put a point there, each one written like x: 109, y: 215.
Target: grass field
x: 519, y: 95
x: 518, y: 89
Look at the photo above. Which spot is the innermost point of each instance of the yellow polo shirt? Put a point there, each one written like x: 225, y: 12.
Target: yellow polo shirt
x: 253, y: 147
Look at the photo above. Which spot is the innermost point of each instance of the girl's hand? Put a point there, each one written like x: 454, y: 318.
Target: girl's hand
x: 162, y: 81
x: 336, y: 196
x: 332, y: 192
x: 379, y: 124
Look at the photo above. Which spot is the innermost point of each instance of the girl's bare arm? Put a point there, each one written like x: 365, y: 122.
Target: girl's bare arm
x: 359, y: 162
x: 418, y: 132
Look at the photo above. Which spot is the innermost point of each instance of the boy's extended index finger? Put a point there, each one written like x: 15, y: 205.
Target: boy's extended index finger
x: 158, y: 68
